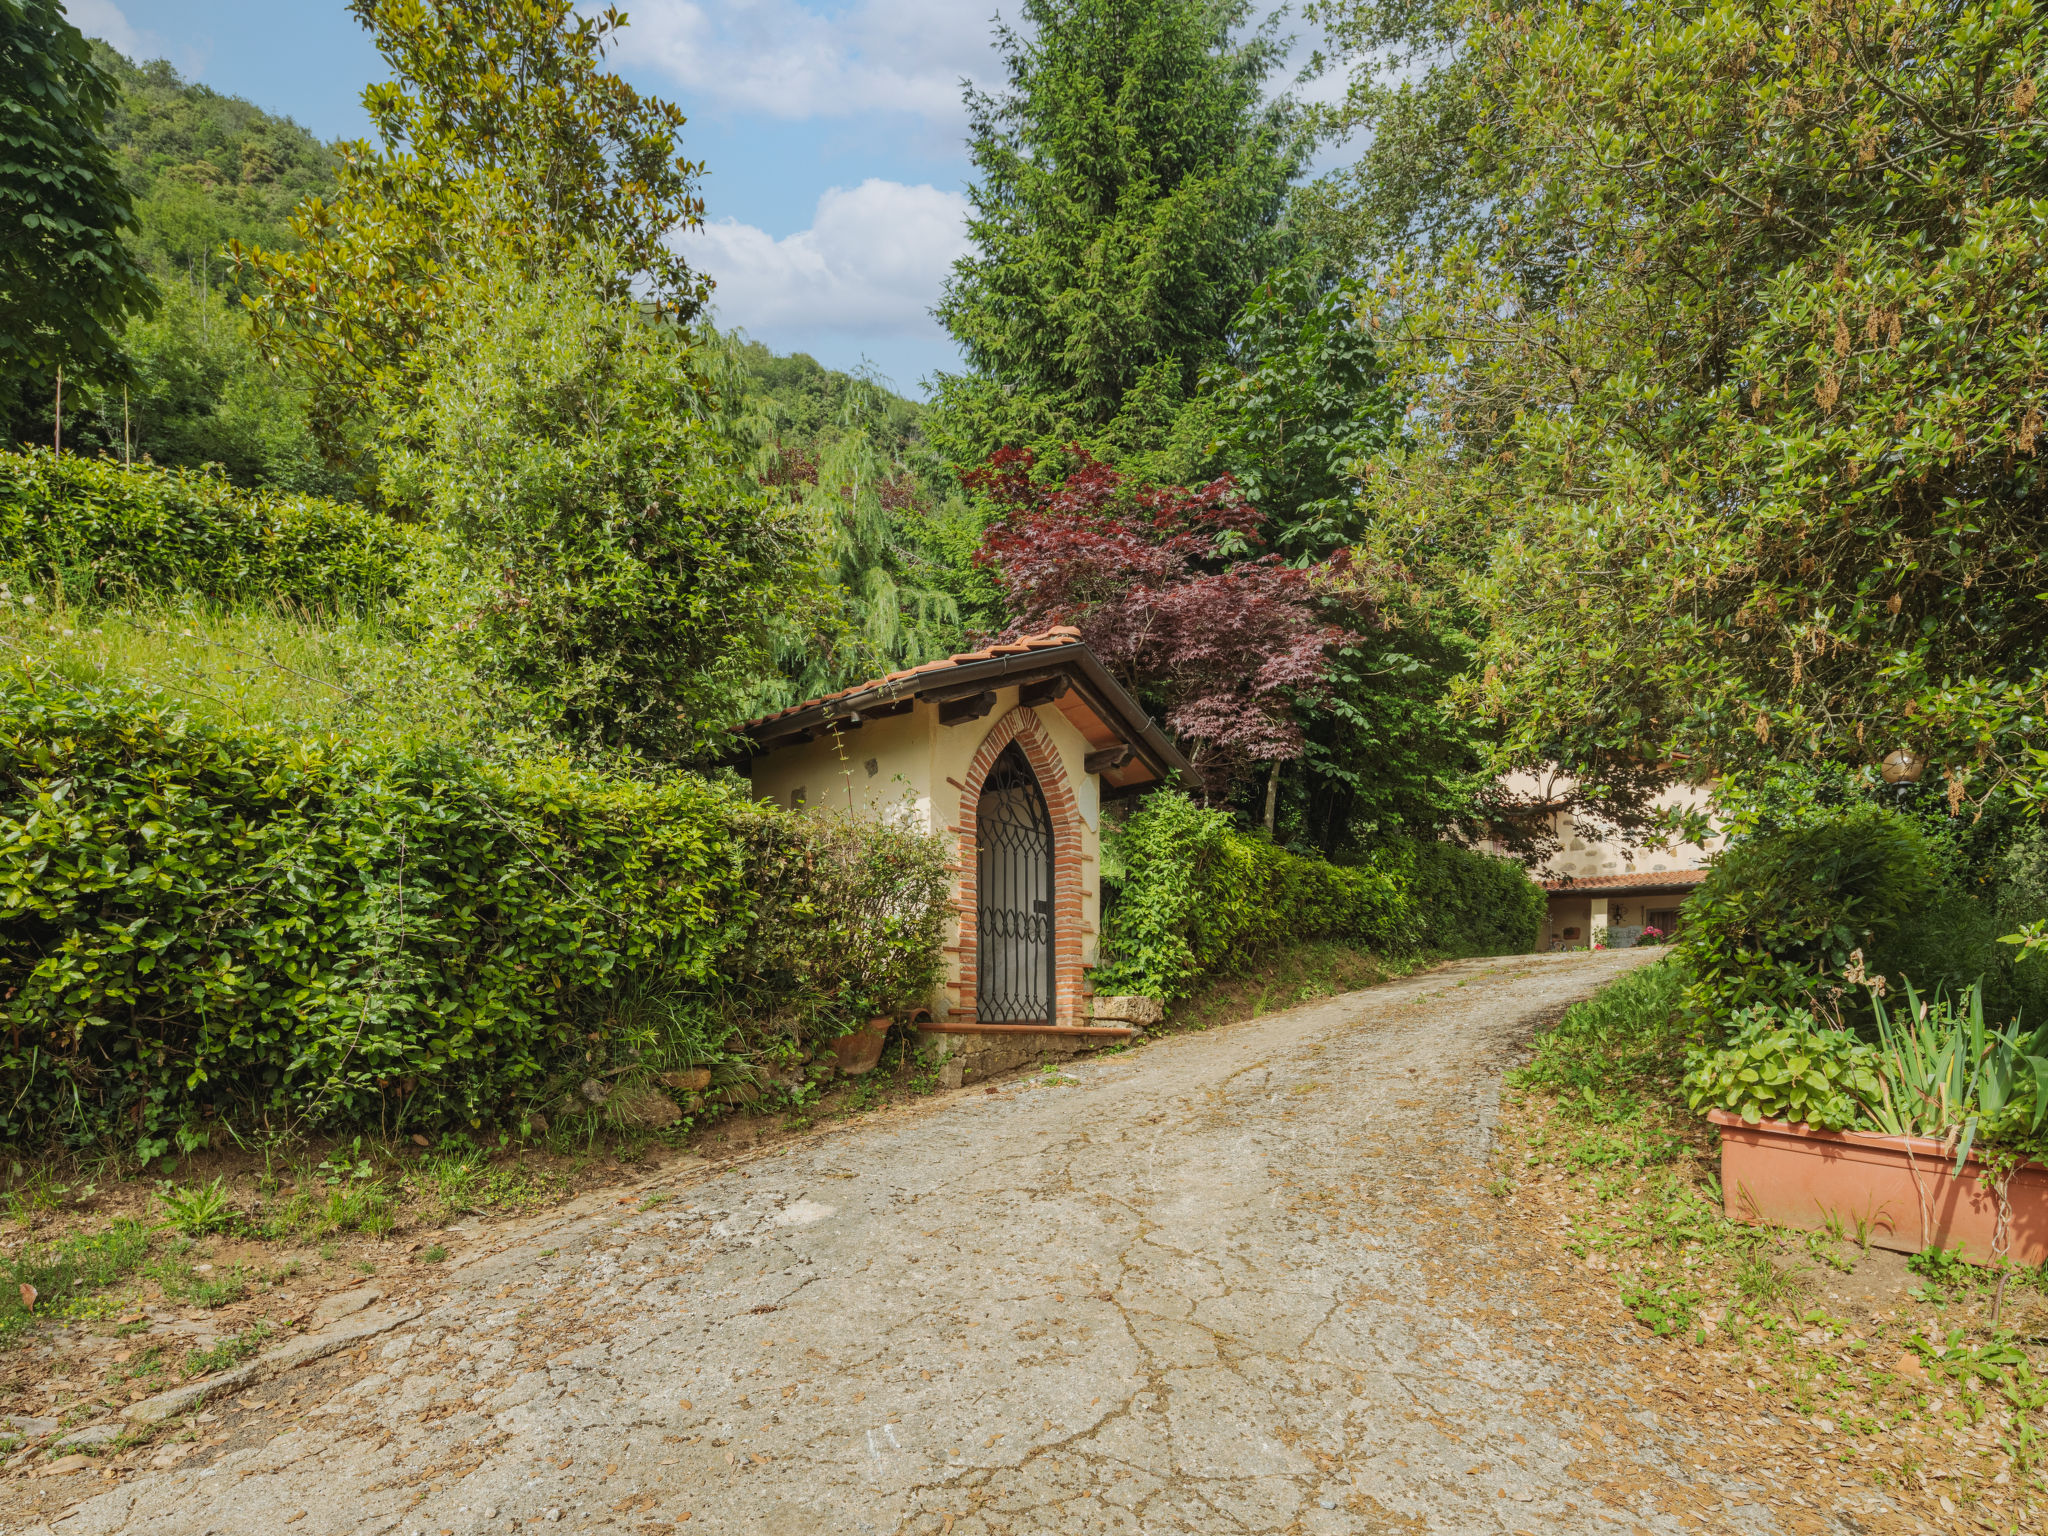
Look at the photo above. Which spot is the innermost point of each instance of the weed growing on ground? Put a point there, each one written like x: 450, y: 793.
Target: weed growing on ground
x: 229, y: 1351
x: 200, y: 1210
x: 458, y: 1179
x: 183, y: 1279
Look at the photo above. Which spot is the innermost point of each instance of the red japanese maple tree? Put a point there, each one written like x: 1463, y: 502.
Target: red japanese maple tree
x: 1169, y: 588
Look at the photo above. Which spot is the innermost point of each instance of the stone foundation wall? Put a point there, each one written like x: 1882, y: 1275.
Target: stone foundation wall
x: 965, y: 1058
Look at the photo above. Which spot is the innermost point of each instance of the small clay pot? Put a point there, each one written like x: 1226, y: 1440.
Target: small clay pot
x: 861, y: 1051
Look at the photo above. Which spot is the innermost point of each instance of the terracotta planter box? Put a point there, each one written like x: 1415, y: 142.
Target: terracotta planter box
x: 1901, y: 1187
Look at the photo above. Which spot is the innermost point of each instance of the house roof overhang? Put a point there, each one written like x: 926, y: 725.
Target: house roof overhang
x: 1662, y: 882
x: 1106, y: 715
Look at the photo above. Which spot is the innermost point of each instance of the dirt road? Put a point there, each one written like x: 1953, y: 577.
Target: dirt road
x: 1241, y: 1281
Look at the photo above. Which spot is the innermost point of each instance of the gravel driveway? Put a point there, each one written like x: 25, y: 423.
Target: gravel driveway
x: 1240, y: 1281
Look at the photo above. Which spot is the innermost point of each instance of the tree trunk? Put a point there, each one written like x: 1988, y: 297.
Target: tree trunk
x: 1272, y: 796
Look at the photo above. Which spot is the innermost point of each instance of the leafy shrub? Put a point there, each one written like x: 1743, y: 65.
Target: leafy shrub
x: 1472, y: 903
x: 1779, y: 914
x: 1783, y: 1064
x: 206, y: 924
x: 1199, y: 896
x: 97, y: 531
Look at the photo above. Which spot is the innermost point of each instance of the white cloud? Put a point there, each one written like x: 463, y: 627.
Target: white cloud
x: 106, y: 21
x: 783, y: 59
x: 103, y: 19
x: 872, y: 263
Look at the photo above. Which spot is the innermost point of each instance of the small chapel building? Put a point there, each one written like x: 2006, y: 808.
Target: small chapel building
x: 1011, y: 751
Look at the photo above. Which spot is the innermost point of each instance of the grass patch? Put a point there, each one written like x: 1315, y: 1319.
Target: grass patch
x: 183, y: 1280
x: 273, y: 664
x: 1299, y: 974
x: 458, y: 1179
x: 313, y: 1212
x: 68, y: 1275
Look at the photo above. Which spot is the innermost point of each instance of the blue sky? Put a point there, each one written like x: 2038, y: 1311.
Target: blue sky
x: 833, y: 134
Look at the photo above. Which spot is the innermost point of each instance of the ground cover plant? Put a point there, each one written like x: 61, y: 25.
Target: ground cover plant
x: 1819, y: 1345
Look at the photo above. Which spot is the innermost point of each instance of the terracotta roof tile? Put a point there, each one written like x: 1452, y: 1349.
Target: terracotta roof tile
x: 1652, y: 878
x: 1048, y: 640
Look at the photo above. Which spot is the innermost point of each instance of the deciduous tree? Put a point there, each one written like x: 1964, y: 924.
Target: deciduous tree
x: 67, y: 281
x: 1738, y: 423
x: 502, y: 137
x: 1168, y: 587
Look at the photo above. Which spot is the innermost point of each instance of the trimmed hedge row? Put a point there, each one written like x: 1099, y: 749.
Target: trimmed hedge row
x: 1197, y: 896
x: 1473, y: 903
x: 205, y: 924
x: 98, y: 531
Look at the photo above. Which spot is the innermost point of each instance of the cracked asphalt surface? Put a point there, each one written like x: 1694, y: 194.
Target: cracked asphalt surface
x: 1232, y: 1282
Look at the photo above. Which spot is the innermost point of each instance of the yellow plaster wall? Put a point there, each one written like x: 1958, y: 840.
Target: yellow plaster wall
x: 918, y: 768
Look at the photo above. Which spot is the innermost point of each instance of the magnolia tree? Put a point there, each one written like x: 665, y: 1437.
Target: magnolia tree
x: 1169, y: 587
x: 1731, y: 428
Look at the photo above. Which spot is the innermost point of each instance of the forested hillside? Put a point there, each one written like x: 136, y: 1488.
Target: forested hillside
x: 202, y: 169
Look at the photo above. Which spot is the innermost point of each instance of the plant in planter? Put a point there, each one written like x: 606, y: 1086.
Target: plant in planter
x: 1948, y: 1075
x: 1817, y: 1126
x: 1784, y: 1064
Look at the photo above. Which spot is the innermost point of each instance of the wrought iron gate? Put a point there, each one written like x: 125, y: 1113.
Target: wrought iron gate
x: 1013, y: 905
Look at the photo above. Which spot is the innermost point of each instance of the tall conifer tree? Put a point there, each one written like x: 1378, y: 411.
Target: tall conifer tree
x: 1132, y: 176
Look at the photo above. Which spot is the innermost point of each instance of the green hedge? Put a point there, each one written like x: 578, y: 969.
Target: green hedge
x: 98, y: 531
x: 1472, y: 903
x: 1197, y: 896
x: 203, y: 924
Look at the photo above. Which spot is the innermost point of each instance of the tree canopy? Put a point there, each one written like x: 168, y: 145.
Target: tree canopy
x: 502, y: 134
x: 1736, y: 424
x: 67, y: 278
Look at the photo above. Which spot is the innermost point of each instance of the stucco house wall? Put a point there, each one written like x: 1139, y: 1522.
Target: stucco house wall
x: 911, y: 769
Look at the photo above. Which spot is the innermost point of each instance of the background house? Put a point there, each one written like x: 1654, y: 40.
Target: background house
x: 1603, y: 890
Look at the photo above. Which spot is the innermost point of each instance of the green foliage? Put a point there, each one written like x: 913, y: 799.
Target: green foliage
x: 232, y: 1350
x: 1783, y: 1064
x: 204, y: 169
x: 199, y: 1210
x: 1755, y: 472
x: 92, y: 531
x: 1780, y: 916
x: 67, y: 279
x: 244, y: 924
x: 847, y: 474
x: 67, y: 1272
x: 1198, y: 896
x: 1131, y: 180
x: 1624, y: 1038
x: 1431, y: 142
x: 634, y: 574
x: 1664, y: 1307
x: 1949, y: 1075
x: 504, y: 141
x: 1301, y: 407
x: 1470, y: 903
